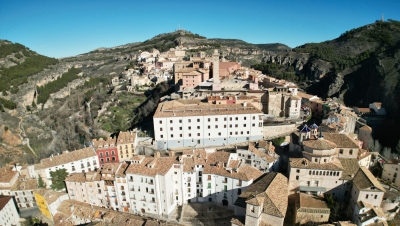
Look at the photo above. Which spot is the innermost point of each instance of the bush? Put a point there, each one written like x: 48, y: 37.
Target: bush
x: 278, y: 141
x: 6, y: 128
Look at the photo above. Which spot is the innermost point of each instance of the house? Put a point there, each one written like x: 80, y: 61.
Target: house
x: 366, y: 191
x: 263, y: 157
x: 390, y: 172
x: 369, y: 215
x: 106, y: 150
x: 48, y: 201
x: 8, y: 211
x: 8, y: 177
x: 364, y: 135
x: 228, y: 68
x: 126, y: 143
x: 23, y: 192
x: 264, y: 202
x: 82, y: 160
x: 184, y: 123
x: 86, y: 187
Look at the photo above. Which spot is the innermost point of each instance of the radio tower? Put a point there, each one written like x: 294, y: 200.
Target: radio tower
x: 383, y: 18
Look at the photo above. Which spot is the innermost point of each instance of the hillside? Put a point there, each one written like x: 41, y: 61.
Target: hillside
x: 359, y: 67
x: 58, y: 104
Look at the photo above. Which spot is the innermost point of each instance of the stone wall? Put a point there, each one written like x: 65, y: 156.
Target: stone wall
x: 273, y: 131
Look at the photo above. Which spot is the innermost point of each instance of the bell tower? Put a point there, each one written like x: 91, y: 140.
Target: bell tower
x: 215, y: 59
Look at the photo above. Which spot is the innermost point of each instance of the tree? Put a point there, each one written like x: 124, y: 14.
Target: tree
x: 278, y: 141
x: 57, y: 179
x: 41, y: 183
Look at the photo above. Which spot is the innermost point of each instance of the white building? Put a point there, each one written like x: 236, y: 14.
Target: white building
x: 262, y: 157
x: 82, y: 160
x: 151, y: 183
x: 390, y: 172
x: 185, y: 123
x: 8, y: 212
x: 23, y: 192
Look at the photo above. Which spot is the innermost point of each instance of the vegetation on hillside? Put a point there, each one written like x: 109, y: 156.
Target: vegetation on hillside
x: 55, y: 86
x: 280, y: 71
x: 7, y: 104
x: 8, y: 49
x: 18, y: 74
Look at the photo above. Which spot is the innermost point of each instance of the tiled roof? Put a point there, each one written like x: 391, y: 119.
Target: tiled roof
x: 269, y: 191
x: 179, y: 109
x: 49, y: 195
x: 70, y: 210
x: 362, y: 153
x: 304, y: 163
x: 341, y: 140
x: 28, y: 184
x: 244, y: 172
x: 126, y: 137
x: 76, y: 177
x: 104, y: 144
x: 6, y: 174
x: 68, y: 157
x: 364, y: 180
x: 311, y: 201
x: 121, y: 170
x: 261, y: 154
x: 366, y: 128
x: 350, y: 168
x: 109, y: 168
x: 234, y: 164
x: 159, y: 167
x: 4, y: 200
x: 319, y: 144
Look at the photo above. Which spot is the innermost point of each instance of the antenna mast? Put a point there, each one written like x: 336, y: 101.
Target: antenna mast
x: 383, y: 18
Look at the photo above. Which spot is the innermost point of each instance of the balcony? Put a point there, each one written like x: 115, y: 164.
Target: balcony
x: 132, y: 189
x: 151, y: 182
x: 176, y: 193
x: 130, y: 180
x: 152, y: 201
x: 151, y: 192
x: 144, y: 200
x: 225, y: 181
x: 133, y: 198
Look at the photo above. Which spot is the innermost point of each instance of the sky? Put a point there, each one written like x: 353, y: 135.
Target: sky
x: 58, y: 28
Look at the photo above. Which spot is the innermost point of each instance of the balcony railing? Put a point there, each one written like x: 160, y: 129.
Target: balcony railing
x: 132, y: 189
x: 225, y: 181
x: 153, y: 201
x: 143, y: 200
x: 133, y: 198
x: 151, y: 192
x: 151, y: 182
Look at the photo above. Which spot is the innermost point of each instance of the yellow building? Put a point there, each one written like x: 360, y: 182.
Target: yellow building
x: 48, y: 201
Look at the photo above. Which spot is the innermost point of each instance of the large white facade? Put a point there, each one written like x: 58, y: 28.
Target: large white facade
x: 188, y: 125
x: 8, y: 212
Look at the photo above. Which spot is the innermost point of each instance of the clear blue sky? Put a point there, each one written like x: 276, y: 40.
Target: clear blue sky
x: 65, y: 28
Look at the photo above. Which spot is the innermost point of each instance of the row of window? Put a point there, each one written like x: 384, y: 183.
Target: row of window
x: 101, y: 154
x: 209, y: 119
x: 209, y: 134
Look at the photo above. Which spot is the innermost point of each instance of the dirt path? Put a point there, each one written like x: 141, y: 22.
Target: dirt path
x: 21, y: 129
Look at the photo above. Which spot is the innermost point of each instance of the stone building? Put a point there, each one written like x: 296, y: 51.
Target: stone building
x: 311, y: 209
x: 264, y: 202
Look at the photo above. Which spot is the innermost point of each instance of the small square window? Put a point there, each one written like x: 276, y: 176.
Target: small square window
x: 198, y: 120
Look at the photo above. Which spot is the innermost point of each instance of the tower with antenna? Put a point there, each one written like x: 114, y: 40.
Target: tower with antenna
x: 383, y: 18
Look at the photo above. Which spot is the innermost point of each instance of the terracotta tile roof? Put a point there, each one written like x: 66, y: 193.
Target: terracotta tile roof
x: 69, y: 210
x: 109, y: 170
x: 269, y: 191
x: 216, y: 157
x: 160, y: 166
x: 341, y: 140
x: 188, y: 165
x: 319, y: 144
x: 76, y: 177
x: 259, y: 153
x: 4, y: 200
x: 364, y: 180
x: 104, y: 144
x: 350, y: 168
x: 244, y: 172
x: 121, y: 170
x: 178, y: 109
x: 240, y: 221
x: 234, y: 164
x: 364, y: 110
x: 304, y: 163
x: 346, y: 223
x: 126, y: 137
x: 49, y: 195
x: 26, y: 184
x: 304, y: 95
x: 93, y: 175
x: 68, y: 157
x: 6, y: 174
x: 311, y: 201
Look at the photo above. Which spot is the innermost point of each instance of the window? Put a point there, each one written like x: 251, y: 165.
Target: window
x: 230, y: 118
x: 366, y: 196
x: 209, y: 185
x: 236, y: 118
x: 209, y: 177
x: 244, y: 125
x: 216, y: 126
x: 198, y: 127
x: 180, y: 128
x: 171, y: 128
x: 239, y: 191
x: 253, y: 125
x: 376, y: 196
x: 189, y: 127
x: 198, y: 134
x: 170, y: 121
x: 209, y: 127
x: 245, y: 118
x: 190, y: 135
x: 236, y: 125
x: 297, y: 171
x: 189, y: 120
x: 198, y: 120
x: 172, y: 135
x: 216, y: 119
x: 180, y: 120
x: 341, y: 151
x: 209, y: 119
x: 297, y: 177
x: 161, y: 129
x: 224, y: 118
x: 219, y: 134
x: 160, y: 122
x: 351, y: 151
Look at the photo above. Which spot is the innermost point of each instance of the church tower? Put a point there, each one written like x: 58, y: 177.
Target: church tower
x: 215, y: 58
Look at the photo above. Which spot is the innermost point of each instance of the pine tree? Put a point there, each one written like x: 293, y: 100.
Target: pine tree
x: 57, y: 179
x: 41, y: 183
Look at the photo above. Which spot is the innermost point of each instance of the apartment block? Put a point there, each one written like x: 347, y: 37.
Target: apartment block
x: 8, y: 211
x: 106, y: 150
x: 126, y: 143
x: 186, y: 123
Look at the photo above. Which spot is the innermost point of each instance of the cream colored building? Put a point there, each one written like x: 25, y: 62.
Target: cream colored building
x: 390, y: 172
x: 126, y: 143
x: 364, y: 135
